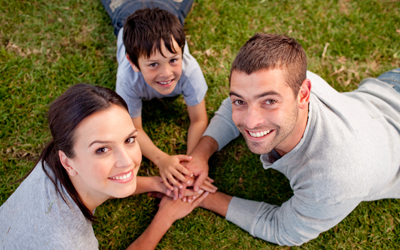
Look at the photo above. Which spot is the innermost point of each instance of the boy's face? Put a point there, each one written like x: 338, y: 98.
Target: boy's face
x: 162, y: 73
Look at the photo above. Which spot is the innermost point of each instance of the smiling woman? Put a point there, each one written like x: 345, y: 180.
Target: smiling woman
x: 93, y: 156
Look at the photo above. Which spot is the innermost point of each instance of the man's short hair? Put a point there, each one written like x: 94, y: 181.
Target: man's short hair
x: 144, y: 29
x: 271, y: 51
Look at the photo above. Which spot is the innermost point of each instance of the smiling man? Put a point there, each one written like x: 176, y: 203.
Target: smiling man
x: 336, y: 149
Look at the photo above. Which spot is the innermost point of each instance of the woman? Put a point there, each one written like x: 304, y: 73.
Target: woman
x: 93, y: 156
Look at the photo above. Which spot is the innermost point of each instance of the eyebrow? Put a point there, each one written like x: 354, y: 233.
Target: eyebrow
x: 257, y: 96
x: 104, y: 142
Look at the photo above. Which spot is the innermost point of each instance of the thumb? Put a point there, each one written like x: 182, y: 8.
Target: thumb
x: 185, y: 157
x: 199, y: 181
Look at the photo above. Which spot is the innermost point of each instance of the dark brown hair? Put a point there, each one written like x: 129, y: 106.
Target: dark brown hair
x: 144, y: 30
x: 271, y: 51
x: 64, y: 115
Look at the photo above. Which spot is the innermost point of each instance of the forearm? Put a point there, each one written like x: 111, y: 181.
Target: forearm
x: 206, y: 147
x: 149, y: 150
x: 153, y: 234
x: 195, y: 131
x: 217, y: 202
x: 149, y: 184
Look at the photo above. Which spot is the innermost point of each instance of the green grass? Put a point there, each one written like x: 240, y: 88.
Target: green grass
x: 47, y: 46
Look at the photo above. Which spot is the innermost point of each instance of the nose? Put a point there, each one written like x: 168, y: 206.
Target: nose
x: 166, y: 71
x: 253, y: 117
x: 123, y: 158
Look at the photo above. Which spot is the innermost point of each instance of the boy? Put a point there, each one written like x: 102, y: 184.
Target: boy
x: 155, y: 63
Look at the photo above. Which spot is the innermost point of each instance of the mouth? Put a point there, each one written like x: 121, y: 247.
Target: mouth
x: 166, y: 83
x: 123, y: 178
x: 259, y: 134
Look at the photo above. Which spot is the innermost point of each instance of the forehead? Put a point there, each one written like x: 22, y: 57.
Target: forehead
x: 101, y: 126
x: 259, y: 80
x: 156, y: 54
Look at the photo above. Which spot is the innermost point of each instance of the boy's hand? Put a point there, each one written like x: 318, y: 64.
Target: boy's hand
x: 171, y: 168
x: 199, y: 167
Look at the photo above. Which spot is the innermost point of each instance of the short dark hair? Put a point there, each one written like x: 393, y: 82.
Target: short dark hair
x: 144, y: 30
x: 271, y: 51
x: 64, y: 115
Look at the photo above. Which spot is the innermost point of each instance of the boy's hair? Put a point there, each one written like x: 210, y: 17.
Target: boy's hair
x: 144, y: 29
x: 271, y: 51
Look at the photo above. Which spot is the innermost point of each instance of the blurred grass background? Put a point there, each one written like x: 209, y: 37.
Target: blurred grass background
x: 47, y: 46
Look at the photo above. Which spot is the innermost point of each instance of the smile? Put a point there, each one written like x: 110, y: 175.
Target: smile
x: 121, y: 177
x: 165, y: 83
x: 259, y: 134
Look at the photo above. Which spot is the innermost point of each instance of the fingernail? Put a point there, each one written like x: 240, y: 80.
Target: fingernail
x: 180, y: 196
x: 200, y: 191
x: 188, y: 182
x: 180, y: 187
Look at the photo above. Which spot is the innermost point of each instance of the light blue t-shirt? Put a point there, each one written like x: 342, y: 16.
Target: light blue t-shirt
x: 132, y: 87
x: 36, y: 217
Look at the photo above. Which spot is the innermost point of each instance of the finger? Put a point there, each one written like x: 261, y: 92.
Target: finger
x: 185, y: 157
x: 199, y: 181
x: 209, y: 179
x: 191, y: 192
x: 200, y: 199
x: 174, y: 182
x: 183, y: 170
x: 176, y: 190
x: 182, y: 190
x: 207, y: 186
x: 166, y: 183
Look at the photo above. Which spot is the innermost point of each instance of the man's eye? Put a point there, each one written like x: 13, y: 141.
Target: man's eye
x: 131, y: 140
x: 102, y: 150
x: 238, y: 102
x: 270, y: 101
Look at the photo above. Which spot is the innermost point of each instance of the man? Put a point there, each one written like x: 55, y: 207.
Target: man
x: 336, y: 149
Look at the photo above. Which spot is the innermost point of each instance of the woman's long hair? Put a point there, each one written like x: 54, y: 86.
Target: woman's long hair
x: 64, y: 115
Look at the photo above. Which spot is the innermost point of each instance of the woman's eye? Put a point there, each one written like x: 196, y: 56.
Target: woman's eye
x: 131, y: 140
x: 102, y: 150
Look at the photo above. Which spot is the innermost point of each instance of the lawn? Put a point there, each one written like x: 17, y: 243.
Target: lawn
x: 47, y: 46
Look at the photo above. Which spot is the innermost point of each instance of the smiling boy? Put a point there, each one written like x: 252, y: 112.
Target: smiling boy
x: 154, y: 62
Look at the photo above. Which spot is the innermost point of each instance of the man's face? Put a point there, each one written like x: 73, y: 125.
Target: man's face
x: 162, y: 73
x: 266, y: 111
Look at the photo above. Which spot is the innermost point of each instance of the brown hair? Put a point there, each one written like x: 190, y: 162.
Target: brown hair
x: 271, y: 51
x: 144, y: 30
x: 64, y: 115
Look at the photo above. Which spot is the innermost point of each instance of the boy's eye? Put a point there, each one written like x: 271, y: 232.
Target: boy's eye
x: 102, y: 150
x: 131, y: 140
x: 270, y: 101
x: 173, y: 60
x: 153, y: 65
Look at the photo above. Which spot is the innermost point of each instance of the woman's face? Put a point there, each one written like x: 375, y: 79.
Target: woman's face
x: 107, y: 157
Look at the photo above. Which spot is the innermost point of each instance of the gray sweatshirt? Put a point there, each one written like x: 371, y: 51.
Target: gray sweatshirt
x: 349, y: 153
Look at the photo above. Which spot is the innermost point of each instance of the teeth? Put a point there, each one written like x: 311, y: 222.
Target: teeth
x: 164, y: 83
x: 123, y: 177
x: 259, y: 134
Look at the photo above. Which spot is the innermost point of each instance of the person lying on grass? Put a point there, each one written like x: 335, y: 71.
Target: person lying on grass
x: 154, y: 62
x: 336, y: 149
x: 93, y: 156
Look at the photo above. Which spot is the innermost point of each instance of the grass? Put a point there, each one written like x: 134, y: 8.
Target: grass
x: 47, y: 46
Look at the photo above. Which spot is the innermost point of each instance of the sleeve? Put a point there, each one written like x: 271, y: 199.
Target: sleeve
x: 221, y: 127
x: 195, y: 86
x: 293, y: 223
x: 133, y: 100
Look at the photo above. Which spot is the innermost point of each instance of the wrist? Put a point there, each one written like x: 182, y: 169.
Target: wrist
x: 160, y: 158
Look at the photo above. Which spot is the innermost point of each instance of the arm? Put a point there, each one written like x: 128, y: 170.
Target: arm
x: 150, y: 184
x: 169, y: 166
x: 169, y: 211
x: 198, y: 124
x: 295, y: 222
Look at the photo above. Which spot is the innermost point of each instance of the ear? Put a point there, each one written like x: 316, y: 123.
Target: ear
x: 136, y: 69
x: 66, y: 162
x: 304, y: 94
